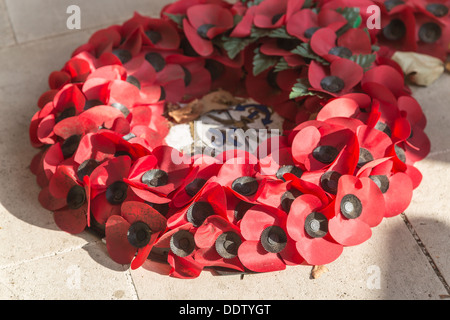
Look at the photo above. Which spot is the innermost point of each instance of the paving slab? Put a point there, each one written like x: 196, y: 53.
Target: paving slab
x: 34, y: 20
x: 86, y: 273
x: 6, y: 32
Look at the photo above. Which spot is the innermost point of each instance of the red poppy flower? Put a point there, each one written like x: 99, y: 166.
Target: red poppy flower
x: 109, y: 190
x: 72, y: 214
x: 156, y: 33
x: 337, y: 79
x: 307, y: 225
x: 397, y: 187
x: 179, y: 243
x: 240, y: 176
x: 417, y: 145
x: 204, y: 169
x: 270, y: 87
x: 267, y: 246
x: 304, y: 23
x: 432, y: 35
x: 154, y: 177
x: 359, y: 206
x: 130, y: 236
x: 203, y: 23
x: 398, y: 29
x: 155, y: 77
x: 373, y: 144
x: 197, y: 79
x: 318, y: 145
x: 211, y: 200
x: 271, y: 14
x: 218, y: 242
x: 328, y: 45
x: 387, y: 76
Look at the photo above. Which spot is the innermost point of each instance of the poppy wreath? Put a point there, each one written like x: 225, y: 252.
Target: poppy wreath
x: 352, y: 132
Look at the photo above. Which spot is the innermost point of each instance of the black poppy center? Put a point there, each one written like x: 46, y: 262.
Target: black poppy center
x: 364, y: 157
x: 332, y: 84
x: 288, y: 44
x: 241, y: 208
x: 277, y: 17
x: 134, y: 81
x: 381, y: 181
x: 245, y: 186
x: 70, y: 145
x: 351, y: 206
x: 342, y: 52
x: 139, y: 234
x: 400, y: 153
x: 215, y: 68
x: 395, y: 30
x: 310, y: 32
x: 123, y: 55
x: 325, y: 154
x: 125, y: 111
x: 76, y: 197
x: 154, y: 36
x: 316, y: 225
x: 274, y: 239
x: 187, y: 76
x: 289, y: 169
x: 227, y: 245
x: 182, y: 243
x: 86, y: 168
x: 329, y: 181
x: 430, y: 32
x: 391, y: 4
x: 194, y: 187
x: 202, y: 31
x: 155, y: 178
x: 117, y: 192
x: 92, y: 103
x: 66, y: 113
x: 383, y: 127
x: 198, y: 212
x: 437, y: 9
x: 288, y: 198
x: 272, y: 79
x: 156, y: 60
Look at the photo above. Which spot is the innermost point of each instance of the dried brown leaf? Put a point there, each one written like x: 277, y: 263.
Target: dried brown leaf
x: 317, y: 271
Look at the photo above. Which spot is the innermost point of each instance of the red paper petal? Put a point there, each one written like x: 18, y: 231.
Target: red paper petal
x: 71, y: 221
x: 119, y: 249
x: 255, y: 258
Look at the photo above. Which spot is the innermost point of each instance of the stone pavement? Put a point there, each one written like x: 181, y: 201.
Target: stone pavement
x: 408, y: 256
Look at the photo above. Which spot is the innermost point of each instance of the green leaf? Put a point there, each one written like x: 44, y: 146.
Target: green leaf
x: 177, y: 18
x: 364, y: 60
x: 280, y: 33
x: 261, y: 62
x: 301, y: 89
x: 233, y: 46
x: 281, y: 65
x: 353, y: 17
x: 305, y: 51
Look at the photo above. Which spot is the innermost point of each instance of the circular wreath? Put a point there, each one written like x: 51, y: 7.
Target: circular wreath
x: 345, y: 161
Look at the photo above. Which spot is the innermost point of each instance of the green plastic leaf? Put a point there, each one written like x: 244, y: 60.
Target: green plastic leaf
x: 177, y: 18
x: 364, y: 60
x: 261, y: 62
x: 305, y: 51
x: 353, y: 17
x: 301, y: 89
